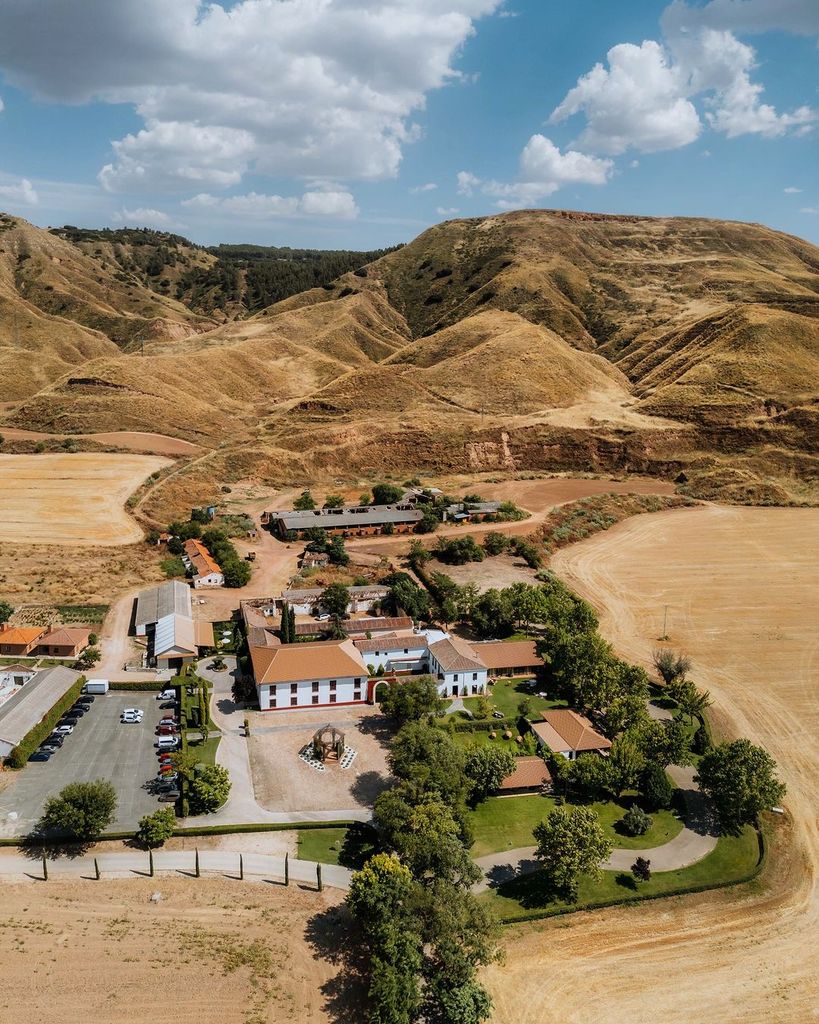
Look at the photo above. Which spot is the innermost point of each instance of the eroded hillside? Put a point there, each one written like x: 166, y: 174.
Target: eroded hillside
x: 534, y: 340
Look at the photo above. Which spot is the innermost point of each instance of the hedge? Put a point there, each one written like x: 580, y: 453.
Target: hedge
x: 205, y: 830
x: 484, y: 725
x: 34, y: 737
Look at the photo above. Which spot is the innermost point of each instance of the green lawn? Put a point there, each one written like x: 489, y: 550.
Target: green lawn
x: 481, y: 739
x: 321, y: 844
x: 734, y: 859
x: 505, y: 823
x: 506, y: 694
x: 205, y: 752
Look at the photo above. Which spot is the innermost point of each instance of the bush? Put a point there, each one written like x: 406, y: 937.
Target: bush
x: 34, y: 737
x: 209, y: 788
x: 156, y: 828
x: 656, y: 788
x: 635, y: 821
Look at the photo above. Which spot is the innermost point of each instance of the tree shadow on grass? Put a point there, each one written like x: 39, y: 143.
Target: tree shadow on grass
x: 626, y: 881
x: 335, y: 940
x: 360, y: 843
x: 532, y: 889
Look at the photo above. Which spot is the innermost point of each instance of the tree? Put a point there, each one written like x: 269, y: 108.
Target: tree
x: 664, y: 743
x: 185, y: 762
x: 486, y: 767
x: 591, y: 776
x: 335, y: 599
x: 93, y: 639
x: 670, y: 665
x: 412, y: 700
x: 635, y: 821
x: 89, y: 657
x: 429, y: 520
x: 626, y: 763
x: 430, y: 845
x: 482, y: 708
x: 337, y: 551
x: 492, y: 615
x: 305, y: 502
x: 655, y: 787
x: 333, y: 501
x: 236, y: 573
x: 427, y: 757
x: 407, y: 596
x: 386, y: 494
x: 156, y: 828
x: 525, y: 707
x: 6, y: 611
x: 570, y: 843
x: 448, y: 610
x: 641, y: 869
x: 210, y: 788
x: 81, y: 810
x: 741, y: 780
x: 690, y: 700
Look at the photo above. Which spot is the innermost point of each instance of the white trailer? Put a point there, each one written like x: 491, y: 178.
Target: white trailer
x: 96, y: 686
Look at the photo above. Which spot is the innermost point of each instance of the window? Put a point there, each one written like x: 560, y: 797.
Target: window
x: 474, y: 675
x: 455, y: 677
x: 332, y: 698
x: 315, y: 687
x: 406, y: 650
x: 356, y: 694
x: 333, y: 685
x: 315, y: 698
x: 294, y: 701
x: 272, y: 700
x: 294, y: 687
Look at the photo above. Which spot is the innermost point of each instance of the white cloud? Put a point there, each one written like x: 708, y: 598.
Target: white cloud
x: 791, y: 191
x: 543, y: 170
x: 810, y: 209
x: 22, y: 193
x: 2, y: 105
x: 145, y: 216
x: 327, y: 203
x: 447, y: 211
x: 798, y: 16
x: 304, y: 88
x: 467, y: 183
x: 644, y: 97
x: 429, y: 187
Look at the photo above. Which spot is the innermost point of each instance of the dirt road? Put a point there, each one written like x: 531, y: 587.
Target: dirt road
x: 133, y: 440
x: 740, y: 585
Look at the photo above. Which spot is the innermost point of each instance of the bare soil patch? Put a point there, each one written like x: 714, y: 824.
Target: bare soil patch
x: 71, y: 499
x: 282, y: 782
x: 740, y: 586
x: 134, y: 440
x: 494, y: 571
x: 211, y: 950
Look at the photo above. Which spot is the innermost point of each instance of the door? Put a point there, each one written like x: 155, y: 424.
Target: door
x: 455, y: 690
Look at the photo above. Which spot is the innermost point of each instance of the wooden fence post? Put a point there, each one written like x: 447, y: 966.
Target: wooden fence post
x: 318, y: 877
x: 96, y: 869
x: 197, y: 864
x: 151, y: 863
x: 287, y: 869
x: 241, y: 868
x: 45, y: 868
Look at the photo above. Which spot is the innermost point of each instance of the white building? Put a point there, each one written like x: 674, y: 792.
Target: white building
x: 308, y: 675
x: 457, y: 667
x: 308, y: 601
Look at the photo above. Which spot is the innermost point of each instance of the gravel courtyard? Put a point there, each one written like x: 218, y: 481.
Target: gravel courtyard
x: 282, y: 782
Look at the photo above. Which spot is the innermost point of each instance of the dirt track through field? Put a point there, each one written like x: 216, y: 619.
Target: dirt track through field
x: 74, y: 498
x: 740, y: 585
x: 135, y: 440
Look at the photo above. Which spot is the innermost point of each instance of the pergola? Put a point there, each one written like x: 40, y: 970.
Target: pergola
x: 328, y: 743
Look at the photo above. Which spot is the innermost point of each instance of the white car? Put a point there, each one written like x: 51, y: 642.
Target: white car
x: 167, y: 742
x: 64, y: 730
x: 134, y: 711
x: 166, y: 695
x: 130, y: 719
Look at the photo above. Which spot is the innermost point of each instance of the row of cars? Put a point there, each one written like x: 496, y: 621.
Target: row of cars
x: 66, y: 725
x: 168, y: 742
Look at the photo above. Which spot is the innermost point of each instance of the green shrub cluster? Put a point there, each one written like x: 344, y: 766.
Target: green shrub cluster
x: 34, y: 737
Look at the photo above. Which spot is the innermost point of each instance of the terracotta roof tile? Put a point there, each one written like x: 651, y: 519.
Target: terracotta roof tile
x: 564, y: 729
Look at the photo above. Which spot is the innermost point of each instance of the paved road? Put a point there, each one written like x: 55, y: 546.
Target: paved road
x: 242, y: 807
x: 696, y: 840
x: 14, y: 866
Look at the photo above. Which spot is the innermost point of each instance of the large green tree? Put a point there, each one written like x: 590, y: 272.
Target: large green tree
x: 6, y: 611
x: 570, y: 844
x: 486, y: 767
x: 411, y: 700
x: 210, y: 788
x: 81, y: 810
x: 335, y: 599
x: 387, y: 494
x: 427, y: 757
x: 741, y: 780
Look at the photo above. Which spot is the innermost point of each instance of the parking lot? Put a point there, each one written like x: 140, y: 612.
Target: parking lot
x: 101, y: 747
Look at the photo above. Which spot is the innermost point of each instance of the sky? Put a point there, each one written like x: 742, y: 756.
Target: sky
x: 359, y: 123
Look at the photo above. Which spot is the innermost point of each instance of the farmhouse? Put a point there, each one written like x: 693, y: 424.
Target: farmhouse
x: 456, y: 666
x: 516, y: 658
x: 393, y: 653
x: 15, y: 675
x: 204, y: 570
x: 530, y: 776
x: 64, y: 642
x: 19, y: 641
x: 566, y: 732
x: 309, y: 675
x: 474, y: 511
x: 22, y: 711
x: 314, y: 560
x: 351, y: 521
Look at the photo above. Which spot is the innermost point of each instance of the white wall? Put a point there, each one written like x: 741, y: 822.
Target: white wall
x: 344, y: 693
x: 475, y: 678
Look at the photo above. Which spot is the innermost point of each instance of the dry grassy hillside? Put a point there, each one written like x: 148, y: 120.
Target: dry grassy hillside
x: 534, y: 340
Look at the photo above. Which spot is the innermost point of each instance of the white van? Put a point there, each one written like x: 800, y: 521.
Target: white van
x: 166, y: 695
x: 167, y: 742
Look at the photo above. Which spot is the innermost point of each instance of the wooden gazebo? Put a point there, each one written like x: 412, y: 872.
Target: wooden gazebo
x: 328, y: 744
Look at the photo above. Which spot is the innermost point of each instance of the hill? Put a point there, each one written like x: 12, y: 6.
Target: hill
x: 526, y: 341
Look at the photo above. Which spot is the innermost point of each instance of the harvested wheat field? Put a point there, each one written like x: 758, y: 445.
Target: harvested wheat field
x: 210, y: 950
x: 740, y: 585
x: 76, y: 498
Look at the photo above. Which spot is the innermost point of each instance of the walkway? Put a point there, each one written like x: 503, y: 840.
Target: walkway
x: 696, y: 840
x: 257, y: 866
x: 241, y: 807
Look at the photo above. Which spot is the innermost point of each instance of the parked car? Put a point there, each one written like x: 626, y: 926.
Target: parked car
x: 169, y: 705
x: 169, y: 796
x: 65, y: 728
x: 130, y: 720
x: 169, y: 776
x: 166, y: 695
x: 77, y: 711
x: 86, y: 698
x: 167, y: 730
x: 133, y: 711
x: 40, y: 755
x: 167, y: 742
x: 55, y: 737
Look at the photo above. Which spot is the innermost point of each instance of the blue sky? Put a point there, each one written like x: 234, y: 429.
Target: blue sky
x: 358, y: 123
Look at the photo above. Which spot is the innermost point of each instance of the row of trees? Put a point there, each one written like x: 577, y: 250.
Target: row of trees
x: 425, y: 934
